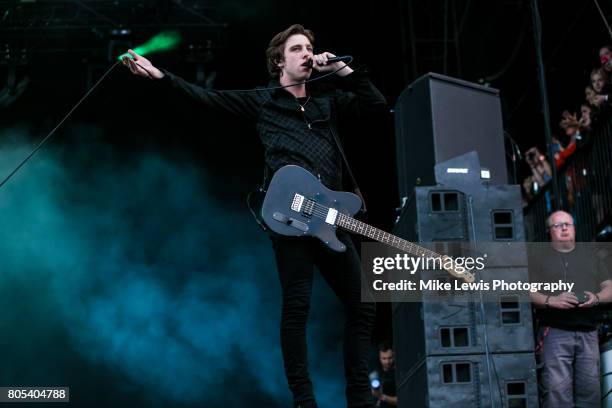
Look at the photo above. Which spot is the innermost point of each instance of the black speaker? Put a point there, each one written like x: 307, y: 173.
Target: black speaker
x: 457, y: 352
x: 438, y: 118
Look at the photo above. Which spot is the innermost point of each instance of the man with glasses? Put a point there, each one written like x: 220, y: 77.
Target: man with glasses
x: 567, y: 335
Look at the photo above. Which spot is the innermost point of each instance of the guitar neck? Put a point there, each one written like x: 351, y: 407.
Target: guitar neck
x: 361, y: 228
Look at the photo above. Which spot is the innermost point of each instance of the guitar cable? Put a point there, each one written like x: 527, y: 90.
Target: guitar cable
x: 52, y: 132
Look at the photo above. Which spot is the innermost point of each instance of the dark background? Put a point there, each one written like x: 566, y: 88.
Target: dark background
x: 131, y: 270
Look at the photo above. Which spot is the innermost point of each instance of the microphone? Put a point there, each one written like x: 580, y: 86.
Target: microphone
x: 343, y: 58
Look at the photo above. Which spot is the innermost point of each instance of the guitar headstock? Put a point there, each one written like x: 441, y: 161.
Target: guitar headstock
x: 465, y: 275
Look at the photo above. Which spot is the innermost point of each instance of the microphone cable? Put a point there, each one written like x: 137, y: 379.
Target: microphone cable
x: 272, y: 88
x: 46, y: 138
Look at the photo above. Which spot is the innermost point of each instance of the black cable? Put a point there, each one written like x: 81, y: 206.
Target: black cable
x: 261, y: 189
x: 488, y: 356
x: 607, y: 393
x: 257, y: 217
x: 273, y: 88
x: 603, y: 17
x: 489, y: 359
x: 44, y: 140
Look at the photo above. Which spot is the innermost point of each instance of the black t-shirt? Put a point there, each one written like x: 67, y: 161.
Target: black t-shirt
x: 387, y: 381
x: 581, y: 267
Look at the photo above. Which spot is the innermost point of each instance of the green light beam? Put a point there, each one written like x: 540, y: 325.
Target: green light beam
x: 164, y: 41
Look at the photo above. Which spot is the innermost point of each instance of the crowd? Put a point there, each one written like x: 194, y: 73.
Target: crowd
x: 575, y: 127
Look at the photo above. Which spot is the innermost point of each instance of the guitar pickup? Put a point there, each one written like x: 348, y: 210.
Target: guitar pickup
x: 296, y: 204
x: 292, y: 222
x: 332, y: 214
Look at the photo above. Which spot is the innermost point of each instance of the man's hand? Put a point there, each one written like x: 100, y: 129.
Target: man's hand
x: 141, y: 66
x: 319, y: 63
x: 565, y: 300
x: 376, y: 393
x: 591, y: 300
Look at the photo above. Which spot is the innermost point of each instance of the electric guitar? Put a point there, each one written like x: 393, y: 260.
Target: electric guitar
x: 297, y: 204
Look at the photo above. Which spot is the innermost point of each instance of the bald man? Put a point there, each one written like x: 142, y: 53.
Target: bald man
x: 567, y: 335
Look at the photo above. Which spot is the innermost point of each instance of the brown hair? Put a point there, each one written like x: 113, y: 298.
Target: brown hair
x: 385, y: 346
x: 276, y: 49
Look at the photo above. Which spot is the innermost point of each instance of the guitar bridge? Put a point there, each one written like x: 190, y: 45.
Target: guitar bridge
x: 292, y: 222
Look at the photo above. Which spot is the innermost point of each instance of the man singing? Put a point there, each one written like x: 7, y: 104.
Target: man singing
x: 298, y: 125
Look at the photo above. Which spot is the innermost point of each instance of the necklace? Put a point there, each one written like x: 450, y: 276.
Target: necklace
x: 302, y: 106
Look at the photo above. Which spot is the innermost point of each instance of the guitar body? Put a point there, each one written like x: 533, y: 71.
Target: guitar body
x: 298, y: 204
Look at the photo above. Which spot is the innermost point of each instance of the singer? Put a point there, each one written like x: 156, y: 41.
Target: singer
x: 297, y: 124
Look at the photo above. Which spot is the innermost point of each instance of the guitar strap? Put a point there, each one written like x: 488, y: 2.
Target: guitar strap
x: 266, y: 174
x: 266, y: 178
x: 348, y: 168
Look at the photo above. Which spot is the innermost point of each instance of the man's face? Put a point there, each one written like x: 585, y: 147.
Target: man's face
x: 386, y: 359
x: 562, y: 228
x: 597, y: 82
x: 298, y: 51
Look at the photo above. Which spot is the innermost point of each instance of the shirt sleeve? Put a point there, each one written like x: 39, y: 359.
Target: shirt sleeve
x: 357, y: 95
x: 245, y: 104
x: 603, y: 272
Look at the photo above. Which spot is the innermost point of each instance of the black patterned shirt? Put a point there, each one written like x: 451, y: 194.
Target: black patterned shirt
x: 295, y: 131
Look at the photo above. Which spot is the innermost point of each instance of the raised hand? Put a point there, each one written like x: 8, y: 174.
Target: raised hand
x: 319, y: 63
x: 141, y: 66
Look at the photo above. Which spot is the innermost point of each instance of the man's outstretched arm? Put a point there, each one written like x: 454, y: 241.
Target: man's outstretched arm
x: 141, y: 66
x: 243, y: 104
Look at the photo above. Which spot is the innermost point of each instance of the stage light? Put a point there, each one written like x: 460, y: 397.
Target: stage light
x: 163, y: 41
x: 120, y: 32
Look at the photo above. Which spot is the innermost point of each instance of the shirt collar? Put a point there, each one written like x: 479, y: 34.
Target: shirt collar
x: 312, y: 89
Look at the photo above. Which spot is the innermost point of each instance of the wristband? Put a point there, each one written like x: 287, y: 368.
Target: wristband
x: 597, y: 296
x: 546, y: 304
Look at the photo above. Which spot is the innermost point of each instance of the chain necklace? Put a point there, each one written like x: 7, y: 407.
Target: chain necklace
x: 302, y: 106
x: 303, y: 110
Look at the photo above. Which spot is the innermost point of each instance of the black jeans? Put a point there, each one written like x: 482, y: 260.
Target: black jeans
x: 295, y: 258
